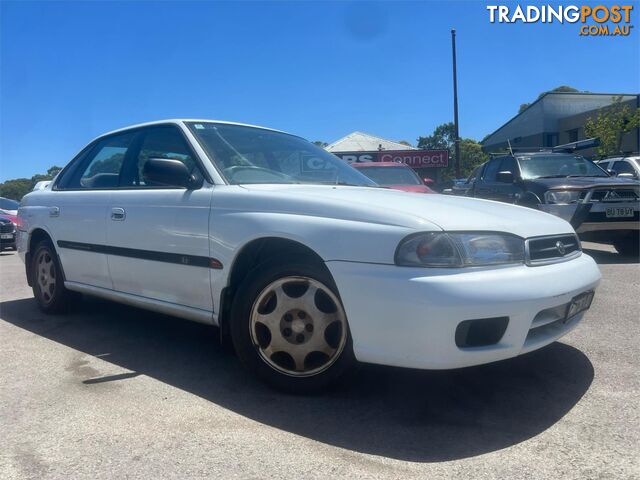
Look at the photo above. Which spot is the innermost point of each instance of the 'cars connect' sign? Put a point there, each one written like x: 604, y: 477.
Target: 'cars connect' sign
x: 413, y: 158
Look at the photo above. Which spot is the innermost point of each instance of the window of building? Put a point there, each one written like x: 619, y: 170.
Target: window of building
x: 573, y: 135
x: 550, y: 139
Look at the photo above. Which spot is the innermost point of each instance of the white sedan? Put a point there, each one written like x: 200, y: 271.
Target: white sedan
x: 303, y: 262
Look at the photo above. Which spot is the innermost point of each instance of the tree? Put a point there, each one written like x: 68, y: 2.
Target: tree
x: 320, y: 143
x: 441, y: 138
x: 15, y: 189
x: 404, y: 142
x: 560, y: 89
x: 53, y: 171
x: 611, y: 124
x: 471, y: 154
x: 19, y: 187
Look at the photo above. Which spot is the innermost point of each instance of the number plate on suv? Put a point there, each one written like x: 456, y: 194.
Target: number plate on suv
x: 619, y: 212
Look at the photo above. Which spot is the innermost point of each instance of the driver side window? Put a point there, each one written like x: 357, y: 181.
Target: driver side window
x: 161, y: 142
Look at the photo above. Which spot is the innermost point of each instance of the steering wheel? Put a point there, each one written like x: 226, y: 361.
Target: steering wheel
x: 231, y: 172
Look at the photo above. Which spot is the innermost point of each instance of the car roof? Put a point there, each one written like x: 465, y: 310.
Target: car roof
x: 379, y: 164
x: 179, y: 121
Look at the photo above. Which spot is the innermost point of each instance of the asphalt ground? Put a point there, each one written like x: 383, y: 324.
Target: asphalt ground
x: 109, y: 391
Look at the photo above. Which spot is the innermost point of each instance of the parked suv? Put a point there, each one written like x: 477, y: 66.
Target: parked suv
x: 628, y: 167
x: 600, y: 207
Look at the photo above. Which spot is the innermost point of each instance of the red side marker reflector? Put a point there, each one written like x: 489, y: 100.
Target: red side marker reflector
x: 215, y: 264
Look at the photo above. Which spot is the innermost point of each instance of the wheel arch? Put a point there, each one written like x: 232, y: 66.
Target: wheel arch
x: 36, y: 236
x: 250, y: 255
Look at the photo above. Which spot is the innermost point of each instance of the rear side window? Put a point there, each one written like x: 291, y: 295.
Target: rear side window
x: 623, y: 167
x: 160, y: 142
x: 101, y: 167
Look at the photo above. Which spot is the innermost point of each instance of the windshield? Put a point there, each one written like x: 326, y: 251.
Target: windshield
x: 558, y: 166
x: 391, y: 175
x: 253, y: 155
x: 6, y: 204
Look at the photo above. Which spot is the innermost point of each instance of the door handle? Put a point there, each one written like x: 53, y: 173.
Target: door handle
x: 118, y: 214
x: 54, y: 212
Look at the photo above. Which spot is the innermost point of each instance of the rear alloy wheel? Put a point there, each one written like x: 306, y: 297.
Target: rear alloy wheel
x: 47, y: 281
x: 290, y: 327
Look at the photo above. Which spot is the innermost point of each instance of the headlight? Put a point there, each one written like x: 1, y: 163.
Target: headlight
x: 463, y: 249
x: 562, y: 196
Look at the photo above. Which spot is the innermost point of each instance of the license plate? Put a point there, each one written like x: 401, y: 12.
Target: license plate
x: 6, y: 236
x: 619, y: 212
x: 578, y: 304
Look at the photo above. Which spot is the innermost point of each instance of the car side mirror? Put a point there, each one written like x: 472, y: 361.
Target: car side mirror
x: 613, y: 173
x: 505, y: 177
x: 167, y: 172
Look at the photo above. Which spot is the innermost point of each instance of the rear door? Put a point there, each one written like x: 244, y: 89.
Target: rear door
x: 79, y: 205
x: 159, y: 235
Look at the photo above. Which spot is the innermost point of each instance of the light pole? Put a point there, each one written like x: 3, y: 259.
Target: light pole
x: 455, y: 105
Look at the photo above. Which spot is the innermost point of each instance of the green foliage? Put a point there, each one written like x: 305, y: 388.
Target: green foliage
x: 611, y: 124
x: 320, y: 143
x: 441, y: 138
x: 560, y: 89
x: 404, y: 142
x: 471, y: 154
x: 17, y: 188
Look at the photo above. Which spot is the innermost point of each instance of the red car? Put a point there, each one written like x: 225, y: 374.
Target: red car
x: 393, y: 175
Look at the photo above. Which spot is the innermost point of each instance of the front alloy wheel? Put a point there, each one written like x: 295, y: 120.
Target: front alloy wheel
x: 298, y: 326
x: 288, y: 326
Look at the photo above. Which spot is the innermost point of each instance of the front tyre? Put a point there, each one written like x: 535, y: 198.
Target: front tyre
x: 47, y: 280
x: 290, y: 328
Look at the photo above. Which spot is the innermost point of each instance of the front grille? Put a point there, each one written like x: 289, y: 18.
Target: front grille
x: 610, y: 195
x: 6, y: 227
x: 550, y: 249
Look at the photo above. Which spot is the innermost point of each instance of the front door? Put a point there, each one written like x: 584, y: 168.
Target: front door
x: 77, y: 216
x: 159, y: 234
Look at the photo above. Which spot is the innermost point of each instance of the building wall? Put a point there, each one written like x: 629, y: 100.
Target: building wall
x: 571, y: 127
x: 554, y: 119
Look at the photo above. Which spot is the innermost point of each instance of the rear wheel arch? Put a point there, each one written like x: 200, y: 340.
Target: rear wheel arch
x: 36, y: 236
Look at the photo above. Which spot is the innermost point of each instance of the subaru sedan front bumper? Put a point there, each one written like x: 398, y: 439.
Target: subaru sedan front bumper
x: 409, y: 317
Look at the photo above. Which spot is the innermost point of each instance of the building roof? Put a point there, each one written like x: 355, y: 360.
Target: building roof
x: 364, y: 142
x: 534, y: 104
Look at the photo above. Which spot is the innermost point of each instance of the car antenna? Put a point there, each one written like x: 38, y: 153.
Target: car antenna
x: 510, y: 149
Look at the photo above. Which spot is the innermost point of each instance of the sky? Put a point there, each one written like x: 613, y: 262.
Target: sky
x: 70, y: 71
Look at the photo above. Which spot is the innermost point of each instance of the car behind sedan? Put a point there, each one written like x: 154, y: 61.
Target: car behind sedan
x: 397, y: 176
x: 305, y: 264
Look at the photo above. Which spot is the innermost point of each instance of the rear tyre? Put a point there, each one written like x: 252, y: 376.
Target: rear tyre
x: 289, y: 326
x: 629, y: 245
x: 47, y: 280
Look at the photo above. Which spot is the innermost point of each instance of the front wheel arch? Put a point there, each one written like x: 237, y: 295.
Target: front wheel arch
x: 251, y: 256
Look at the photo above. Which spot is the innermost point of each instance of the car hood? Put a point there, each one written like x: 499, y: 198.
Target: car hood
x: 393, y: 207
x: 583, y: 182
x: 411, y: 188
